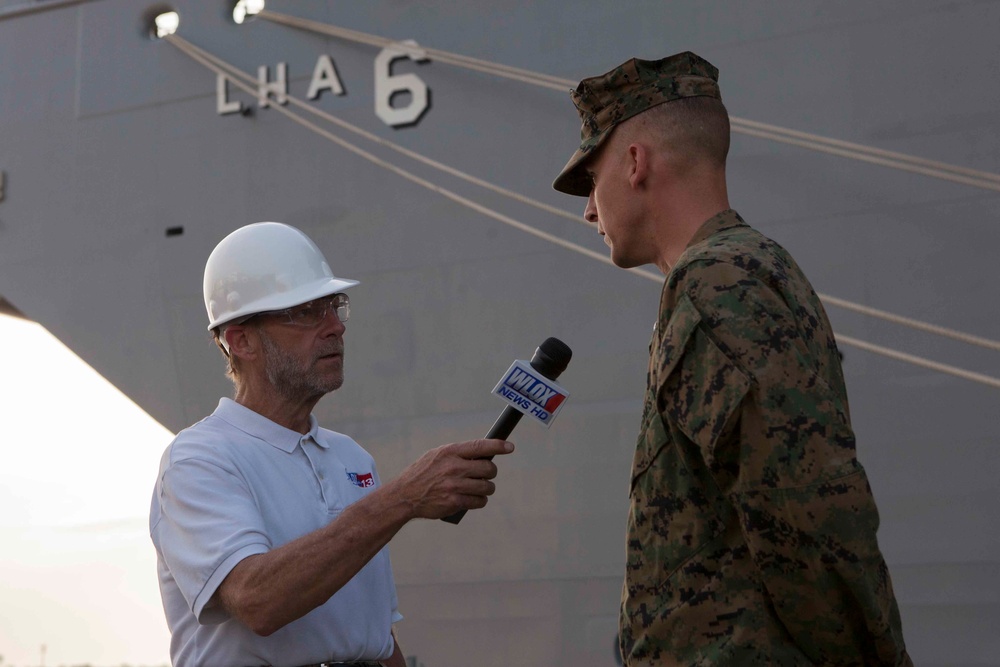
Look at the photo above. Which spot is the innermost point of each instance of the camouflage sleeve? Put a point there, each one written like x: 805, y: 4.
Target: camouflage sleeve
x: 786, y: 461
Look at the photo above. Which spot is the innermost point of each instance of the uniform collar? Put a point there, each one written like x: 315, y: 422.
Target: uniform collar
x: 719, y: 222
x: 259, y: 426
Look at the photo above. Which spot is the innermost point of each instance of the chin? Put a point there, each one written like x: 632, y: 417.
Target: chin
x: 624, y: 262
x: 335, y: 383
x: 326, y: 383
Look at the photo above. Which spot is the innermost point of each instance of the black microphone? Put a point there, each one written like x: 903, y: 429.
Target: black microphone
x: 550, y: 359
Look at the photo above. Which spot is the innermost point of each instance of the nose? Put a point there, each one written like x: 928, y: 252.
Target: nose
x: 331, y: 324
x: 590, y: 212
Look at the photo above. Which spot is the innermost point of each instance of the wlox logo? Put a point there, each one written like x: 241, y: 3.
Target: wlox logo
x: 530, y: 392
x: 361, y: 479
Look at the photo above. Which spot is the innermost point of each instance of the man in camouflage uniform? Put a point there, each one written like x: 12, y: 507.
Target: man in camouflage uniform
x: 751, y: 533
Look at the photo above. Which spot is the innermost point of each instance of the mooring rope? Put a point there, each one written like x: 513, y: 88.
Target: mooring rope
x: 847, y: 149
x: 221, y: 68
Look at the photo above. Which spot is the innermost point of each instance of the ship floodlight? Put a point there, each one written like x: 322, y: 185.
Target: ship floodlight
x: 246, y: 9
x: 166, y: 24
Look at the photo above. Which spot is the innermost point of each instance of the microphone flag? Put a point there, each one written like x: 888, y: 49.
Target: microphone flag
x: 530, y: 392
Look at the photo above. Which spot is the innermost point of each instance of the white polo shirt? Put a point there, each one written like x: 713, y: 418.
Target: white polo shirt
x: 237, y: 484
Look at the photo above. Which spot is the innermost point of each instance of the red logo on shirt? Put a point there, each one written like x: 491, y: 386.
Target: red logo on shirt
x: 361, y: 479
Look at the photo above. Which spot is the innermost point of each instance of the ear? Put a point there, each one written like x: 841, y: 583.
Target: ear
x: 638, y: 163
x: 241, y: 343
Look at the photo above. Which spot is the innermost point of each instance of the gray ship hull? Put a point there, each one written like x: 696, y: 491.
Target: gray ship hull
x: 120, y: 175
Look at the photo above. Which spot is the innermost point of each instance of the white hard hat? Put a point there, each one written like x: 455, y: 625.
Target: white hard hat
x: 265, y: 266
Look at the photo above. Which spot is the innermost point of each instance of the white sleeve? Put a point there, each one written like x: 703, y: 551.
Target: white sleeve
x: 209, y: 521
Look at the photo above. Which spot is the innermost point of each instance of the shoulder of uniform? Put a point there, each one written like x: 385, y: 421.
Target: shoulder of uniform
x: 729, y: 253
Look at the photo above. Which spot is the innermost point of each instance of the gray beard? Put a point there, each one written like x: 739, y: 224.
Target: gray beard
x: 292, y: 378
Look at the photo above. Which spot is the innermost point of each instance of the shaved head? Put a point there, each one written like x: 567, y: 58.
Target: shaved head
x: 693, y: 131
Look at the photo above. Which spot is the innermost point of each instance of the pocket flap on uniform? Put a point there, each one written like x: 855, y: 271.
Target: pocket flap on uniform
x: 668, y: 352
x: 703, y: 388
x: 682, y: 324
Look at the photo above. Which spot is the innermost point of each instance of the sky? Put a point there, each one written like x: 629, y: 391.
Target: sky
x: 78, y: 460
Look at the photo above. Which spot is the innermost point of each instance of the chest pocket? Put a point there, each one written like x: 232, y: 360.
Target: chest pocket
x: 677, y: 509
x: 693, y: 386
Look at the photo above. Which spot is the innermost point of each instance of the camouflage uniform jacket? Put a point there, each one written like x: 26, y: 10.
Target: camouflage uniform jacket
x: 751, y: 533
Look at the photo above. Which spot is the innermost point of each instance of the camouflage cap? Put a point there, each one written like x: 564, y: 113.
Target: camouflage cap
x: 631, y: 88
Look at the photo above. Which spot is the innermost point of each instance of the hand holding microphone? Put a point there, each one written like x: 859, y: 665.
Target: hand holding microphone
x: 450, y: 476
x: 531, y: 395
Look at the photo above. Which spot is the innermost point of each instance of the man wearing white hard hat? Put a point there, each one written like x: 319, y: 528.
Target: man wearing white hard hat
x: 271, y: 531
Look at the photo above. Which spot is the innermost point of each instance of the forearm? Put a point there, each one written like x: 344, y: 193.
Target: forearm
x: 270, y: 590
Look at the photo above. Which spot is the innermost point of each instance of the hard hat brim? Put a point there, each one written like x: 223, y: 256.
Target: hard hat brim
x: 295, y: 297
